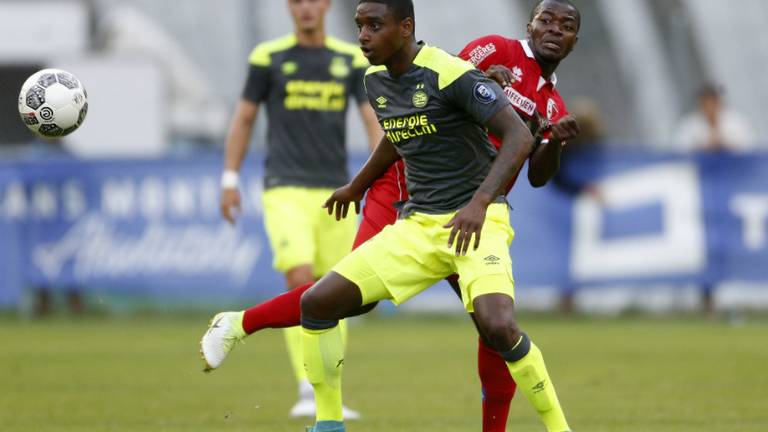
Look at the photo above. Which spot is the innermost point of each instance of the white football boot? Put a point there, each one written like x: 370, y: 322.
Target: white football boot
x: 224, y: 332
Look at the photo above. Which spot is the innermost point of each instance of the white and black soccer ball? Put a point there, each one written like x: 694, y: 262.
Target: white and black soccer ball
x: 53, y: 103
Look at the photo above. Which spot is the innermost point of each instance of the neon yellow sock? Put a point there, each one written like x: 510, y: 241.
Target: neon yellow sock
x: 324, y: 360
x: 295, y: 352
x: 530, y: 374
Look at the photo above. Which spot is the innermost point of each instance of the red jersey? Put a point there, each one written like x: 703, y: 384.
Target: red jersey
x: 529, y: 93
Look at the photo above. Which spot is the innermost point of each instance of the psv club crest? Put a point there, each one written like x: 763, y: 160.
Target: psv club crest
x: 420, y: 98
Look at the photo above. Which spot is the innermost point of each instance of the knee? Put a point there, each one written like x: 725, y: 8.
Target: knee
x: 501, y: 332
x: 310, y: 304
x: 314, y: 315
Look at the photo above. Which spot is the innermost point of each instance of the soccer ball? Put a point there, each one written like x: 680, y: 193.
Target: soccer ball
x: 53, y: 103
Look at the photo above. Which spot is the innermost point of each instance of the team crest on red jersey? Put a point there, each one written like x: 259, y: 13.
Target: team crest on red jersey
x: 552, y: 110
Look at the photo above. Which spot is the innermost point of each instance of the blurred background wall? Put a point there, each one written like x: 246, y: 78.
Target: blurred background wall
x: 641, y: 61
x: 163, y: 78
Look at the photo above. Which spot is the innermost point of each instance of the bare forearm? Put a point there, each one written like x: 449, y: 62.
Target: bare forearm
x: 239, y: 136
x: 515, y: 147
x: 382, y: 157
x: 544, y: 163
x: 372, y: 128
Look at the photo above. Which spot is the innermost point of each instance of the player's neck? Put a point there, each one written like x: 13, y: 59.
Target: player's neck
x: 402, y: 62
x: 311, y: 39
x: 547, y: 69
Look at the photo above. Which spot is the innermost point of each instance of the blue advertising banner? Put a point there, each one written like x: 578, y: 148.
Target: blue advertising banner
x: 152, y: 227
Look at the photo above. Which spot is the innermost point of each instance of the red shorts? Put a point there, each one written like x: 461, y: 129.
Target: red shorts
x: 379, y: 209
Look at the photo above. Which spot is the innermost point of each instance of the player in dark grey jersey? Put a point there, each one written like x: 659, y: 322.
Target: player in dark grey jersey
x: 434, y: 109
x: 446, y: 151
x: 305, y: 81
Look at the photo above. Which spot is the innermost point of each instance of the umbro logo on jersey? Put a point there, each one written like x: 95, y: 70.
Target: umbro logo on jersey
x: 382, y: 101
x: 491, y: 260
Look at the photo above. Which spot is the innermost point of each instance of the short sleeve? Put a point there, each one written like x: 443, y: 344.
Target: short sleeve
x: 478, y: 95
x: 357, y: 85
x: 257, y: 84
x: 485, y: 52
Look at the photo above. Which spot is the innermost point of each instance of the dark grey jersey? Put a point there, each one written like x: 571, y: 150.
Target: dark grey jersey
x: 305, y: 91
x: 434, y: 115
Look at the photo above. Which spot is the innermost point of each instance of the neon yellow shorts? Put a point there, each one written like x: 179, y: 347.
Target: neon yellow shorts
x: 410, y: 256
x: 301, y: 232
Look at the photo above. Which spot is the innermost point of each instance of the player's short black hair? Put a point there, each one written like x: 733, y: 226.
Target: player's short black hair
x: 540, y: 3
x: 402, y: 9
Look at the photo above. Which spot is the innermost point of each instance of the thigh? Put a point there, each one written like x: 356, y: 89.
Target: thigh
x: 397, y: 264
x: 488, y: 270
x: 333, y: 239
x: 333, y: 297
x: 288, y: 227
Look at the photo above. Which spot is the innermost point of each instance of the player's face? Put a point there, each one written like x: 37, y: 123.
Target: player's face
x: 554, y: 31
x: 380, y: 35
x: 710, y: 106
x: 308, y: 15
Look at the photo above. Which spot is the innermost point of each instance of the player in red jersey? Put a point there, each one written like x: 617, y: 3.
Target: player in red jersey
x: 525, y: 69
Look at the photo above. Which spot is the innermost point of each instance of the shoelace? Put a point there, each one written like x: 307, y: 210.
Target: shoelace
x: 231, y: 341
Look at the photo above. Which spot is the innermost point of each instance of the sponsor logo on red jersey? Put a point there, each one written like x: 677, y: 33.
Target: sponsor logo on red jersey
x: 480, y: 53
x: 519, y: 101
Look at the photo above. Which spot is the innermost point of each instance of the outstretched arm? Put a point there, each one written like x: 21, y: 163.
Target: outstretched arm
x: 516, y: 145
x: 382, y: 157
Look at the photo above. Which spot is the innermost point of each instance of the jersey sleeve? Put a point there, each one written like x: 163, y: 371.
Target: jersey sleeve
x: 257, y: 83
x: 477, y: 94
x: 486, y: 51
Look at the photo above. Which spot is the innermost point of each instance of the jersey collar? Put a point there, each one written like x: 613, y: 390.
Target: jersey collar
x: 529, y: 53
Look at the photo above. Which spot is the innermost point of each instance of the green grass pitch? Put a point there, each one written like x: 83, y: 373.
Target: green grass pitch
x: 403, y: 374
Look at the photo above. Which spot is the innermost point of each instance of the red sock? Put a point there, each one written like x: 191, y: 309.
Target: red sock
x: 280, y: 312
x: 498, y: 388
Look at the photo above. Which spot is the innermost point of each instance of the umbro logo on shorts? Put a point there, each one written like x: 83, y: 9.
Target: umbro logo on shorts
x: 492, y: 260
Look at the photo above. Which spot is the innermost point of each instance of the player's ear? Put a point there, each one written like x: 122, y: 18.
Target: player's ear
x: 573, y: 45
x: 528, y: 31
x: 406, y: 27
